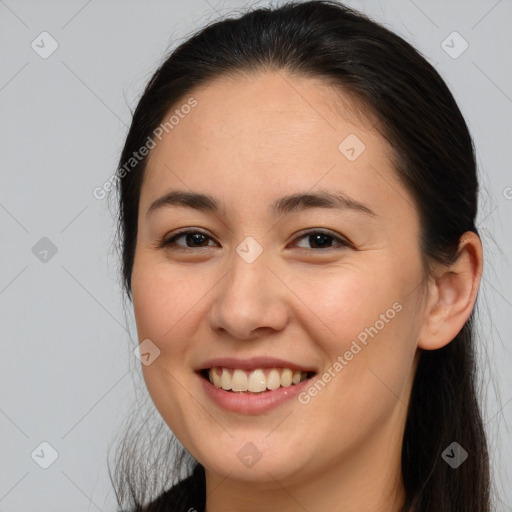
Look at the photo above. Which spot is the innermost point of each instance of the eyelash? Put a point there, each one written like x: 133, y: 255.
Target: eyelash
x: 167, y: 243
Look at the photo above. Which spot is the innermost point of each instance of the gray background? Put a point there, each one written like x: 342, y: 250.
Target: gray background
x: 68, y: 375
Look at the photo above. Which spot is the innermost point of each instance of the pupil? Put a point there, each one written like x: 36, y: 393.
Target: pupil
x: 320, y: 236
x: 195, y: 238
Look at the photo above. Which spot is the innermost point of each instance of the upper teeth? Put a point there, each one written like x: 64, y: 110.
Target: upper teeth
x: 256, y: 380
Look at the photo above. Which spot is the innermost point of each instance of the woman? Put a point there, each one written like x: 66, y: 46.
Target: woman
x: 298, y: 196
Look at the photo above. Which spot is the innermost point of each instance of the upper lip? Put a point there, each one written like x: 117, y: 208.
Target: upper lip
x: 253, y: 363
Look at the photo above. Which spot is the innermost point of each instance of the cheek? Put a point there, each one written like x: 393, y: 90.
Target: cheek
x: 366, y: 325
x: 162, y: 299
x: 344, y: 304
x: 163, y: 303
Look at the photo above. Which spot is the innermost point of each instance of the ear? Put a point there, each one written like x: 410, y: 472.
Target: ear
x: 452, y: 294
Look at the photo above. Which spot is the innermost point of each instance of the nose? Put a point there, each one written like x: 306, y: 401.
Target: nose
x: 251, y: 301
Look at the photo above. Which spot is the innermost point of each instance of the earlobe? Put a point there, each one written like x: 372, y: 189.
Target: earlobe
x: 452, y: 295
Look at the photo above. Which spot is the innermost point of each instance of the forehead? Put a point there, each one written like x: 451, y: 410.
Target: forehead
x: 273, y: 105
x: 272, y: 129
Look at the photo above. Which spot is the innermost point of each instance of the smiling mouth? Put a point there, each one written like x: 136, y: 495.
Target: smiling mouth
x: 260, y: 380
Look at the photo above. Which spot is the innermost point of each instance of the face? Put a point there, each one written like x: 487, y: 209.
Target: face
x: 328, y: 290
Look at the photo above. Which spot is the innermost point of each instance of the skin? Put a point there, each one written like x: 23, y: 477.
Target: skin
x: 249, y: 141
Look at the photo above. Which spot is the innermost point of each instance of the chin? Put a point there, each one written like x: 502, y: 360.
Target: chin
x: 249, y: 461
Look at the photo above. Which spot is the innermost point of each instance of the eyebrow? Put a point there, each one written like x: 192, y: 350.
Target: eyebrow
x: 287, y: 204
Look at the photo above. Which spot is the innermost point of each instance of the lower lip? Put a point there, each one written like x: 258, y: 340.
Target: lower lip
x: 252, y: 403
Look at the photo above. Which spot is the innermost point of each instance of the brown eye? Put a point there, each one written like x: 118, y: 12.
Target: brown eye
x: 318, y: 240
x: 322, y: 240
x: 192, y: 239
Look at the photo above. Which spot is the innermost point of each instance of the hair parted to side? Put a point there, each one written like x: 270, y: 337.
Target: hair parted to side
x: 433, y: 156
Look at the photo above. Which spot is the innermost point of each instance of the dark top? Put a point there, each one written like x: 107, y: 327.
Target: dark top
x: 186, y: 496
